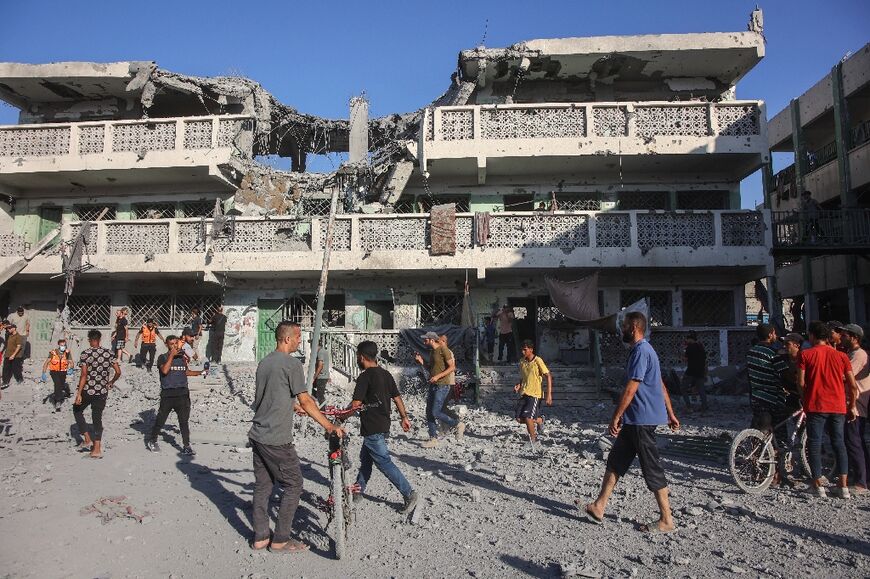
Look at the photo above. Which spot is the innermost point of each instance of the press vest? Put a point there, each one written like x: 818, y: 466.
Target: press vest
x: 149, y: 336
x: 58, y: 363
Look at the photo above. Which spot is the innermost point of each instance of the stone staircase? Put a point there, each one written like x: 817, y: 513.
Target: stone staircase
x: 572, y: 385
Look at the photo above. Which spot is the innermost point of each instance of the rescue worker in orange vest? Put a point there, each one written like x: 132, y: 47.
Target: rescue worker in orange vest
x: 59, y: 364
x: 148, y: 334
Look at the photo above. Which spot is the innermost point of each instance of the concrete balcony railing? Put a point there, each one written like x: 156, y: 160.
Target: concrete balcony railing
x: 122, y: 145
x: 592, y: 129
x: 536, y: 240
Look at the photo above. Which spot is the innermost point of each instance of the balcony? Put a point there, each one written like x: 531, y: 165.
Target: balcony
x: 720, y: 140
x: 118, y: 153
x: 840, y: 231
x: 273, y: 248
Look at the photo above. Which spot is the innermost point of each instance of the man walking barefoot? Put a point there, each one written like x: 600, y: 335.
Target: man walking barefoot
x: 644, y: 405
x: 280, y: 379
x: 94, y: 385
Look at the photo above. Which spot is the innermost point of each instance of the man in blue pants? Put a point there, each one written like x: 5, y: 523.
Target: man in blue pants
x: 375, y: 387
x: 442, y: 376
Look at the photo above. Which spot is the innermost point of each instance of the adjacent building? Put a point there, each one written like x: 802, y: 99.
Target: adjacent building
x: 621, y: 155
x: 821, y: 242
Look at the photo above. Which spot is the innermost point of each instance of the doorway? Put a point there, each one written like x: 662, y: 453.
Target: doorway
x: 49, y: 219
x: 379, y: 315
x: 269, y: 314
x: 525, y: 319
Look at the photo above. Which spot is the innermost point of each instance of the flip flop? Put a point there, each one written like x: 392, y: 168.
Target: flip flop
x: 592, y: 518
x: 289, y: 547
x: 653, y: 528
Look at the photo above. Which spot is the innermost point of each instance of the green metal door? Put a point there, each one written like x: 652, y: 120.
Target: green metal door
x: 269, y: 315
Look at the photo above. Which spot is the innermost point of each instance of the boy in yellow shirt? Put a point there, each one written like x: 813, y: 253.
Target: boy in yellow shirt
x: 532, y: 372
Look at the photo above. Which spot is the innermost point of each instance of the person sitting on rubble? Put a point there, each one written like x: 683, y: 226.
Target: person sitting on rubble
x: 533, y: 370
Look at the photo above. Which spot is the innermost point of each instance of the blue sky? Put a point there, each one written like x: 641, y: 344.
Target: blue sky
x: 315, y: 56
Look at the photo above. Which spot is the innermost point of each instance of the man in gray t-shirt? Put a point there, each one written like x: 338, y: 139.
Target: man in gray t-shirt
x: 280, y: 379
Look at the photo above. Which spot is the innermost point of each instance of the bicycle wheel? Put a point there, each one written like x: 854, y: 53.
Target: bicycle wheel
x: 752, y: 460
x: 339, y: 525
x: 829, y: 461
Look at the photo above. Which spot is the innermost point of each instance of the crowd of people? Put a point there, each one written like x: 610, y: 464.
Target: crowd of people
x: 826, y: 374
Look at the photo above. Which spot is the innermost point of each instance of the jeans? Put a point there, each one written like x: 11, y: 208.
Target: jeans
x: 147, y: 350
x: 181, y: 406
x: 698, y: 383
x: 374, y: 452
x: 435, y: 400
x: 506, y: 342
x: 13, y: 367
x: 858, y: 451
x: 58, y: 377
x: 817, y: 424
x: 275, y: 464
x: 97, y: 404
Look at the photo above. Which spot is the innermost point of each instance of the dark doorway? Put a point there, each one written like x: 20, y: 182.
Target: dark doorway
x: 525, y: 316
x: 379, y: 315
x: 519, y: 203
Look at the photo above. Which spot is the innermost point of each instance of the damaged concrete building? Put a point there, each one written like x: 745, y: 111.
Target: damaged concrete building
x: 620, y: 155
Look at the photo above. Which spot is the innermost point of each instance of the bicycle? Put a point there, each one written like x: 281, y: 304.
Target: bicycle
x: 755, y: 456
x: 339, y: 504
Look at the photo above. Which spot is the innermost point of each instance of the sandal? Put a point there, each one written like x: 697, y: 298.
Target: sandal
x: 592, y: 518
x: 290, y: 546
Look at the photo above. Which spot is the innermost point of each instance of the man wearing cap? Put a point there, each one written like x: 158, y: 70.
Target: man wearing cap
x: 13, y: 356
x: 442, y: 368
x: 857, y: 446
x: 836, y: 340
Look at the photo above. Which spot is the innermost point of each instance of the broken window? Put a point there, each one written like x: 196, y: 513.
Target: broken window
x: 315, y: 207
x: 89, y: 311
x: 439, y: 309
x: 660, y: 312
x: 708, y: 308
x: 578, y: 202
x: 91, y: 212
x: 628, y: 200
x: 303, y: 308
x: 199, y: 208
x: 702, y: 200
x: 154, y: 210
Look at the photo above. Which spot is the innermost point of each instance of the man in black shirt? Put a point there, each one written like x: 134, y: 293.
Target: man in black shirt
x: 174, y: 394
x: 217, y: 330
x: 696, y: 370
x: 374, y: 389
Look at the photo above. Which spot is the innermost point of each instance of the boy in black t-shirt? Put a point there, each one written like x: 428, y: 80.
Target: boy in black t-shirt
x: 374, y: 389
x: 174, y: 394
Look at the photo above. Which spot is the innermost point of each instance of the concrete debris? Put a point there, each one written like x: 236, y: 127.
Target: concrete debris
x: 110, y: 508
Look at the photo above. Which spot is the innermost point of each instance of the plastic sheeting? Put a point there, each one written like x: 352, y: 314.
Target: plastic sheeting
x: 460, y: 340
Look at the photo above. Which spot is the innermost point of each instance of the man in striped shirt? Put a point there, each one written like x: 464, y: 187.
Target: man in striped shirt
x: 767, y: 395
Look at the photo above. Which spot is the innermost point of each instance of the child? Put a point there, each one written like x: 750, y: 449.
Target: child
x: 532, y: 372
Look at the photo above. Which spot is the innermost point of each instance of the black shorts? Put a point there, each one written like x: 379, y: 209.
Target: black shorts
x: 120, y: 345
x: 528, y: 407
x: 638, y: 441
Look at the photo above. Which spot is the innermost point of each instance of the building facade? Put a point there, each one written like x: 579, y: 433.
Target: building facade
x: 822, y: 244
x: 616, y: 155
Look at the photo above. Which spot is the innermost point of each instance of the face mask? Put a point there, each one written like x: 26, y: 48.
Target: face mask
x: 62, y: 348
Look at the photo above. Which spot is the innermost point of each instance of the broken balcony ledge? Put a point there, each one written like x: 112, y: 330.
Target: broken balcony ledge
x: 394, y: 242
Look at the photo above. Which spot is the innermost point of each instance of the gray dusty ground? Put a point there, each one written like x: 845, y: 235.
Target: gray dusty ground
x: 491, y: 509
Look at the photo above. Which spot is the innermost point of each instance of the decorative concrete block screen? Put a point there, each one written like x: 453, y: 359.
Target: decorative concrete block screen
x: 457, y: 125
x: 263, y: 236
x: 742, y: 229
x: 92, y: 139
x: 661, y: 313
x: 739, y: 342
x: 708, y: 308
x: 340, y: 234
x: 538, y: 230
x: 609, y: 121
x: 89, y: 311
x: 532, y: 123
x: 197, y: 134
x: 671, y: 120
x: 34, y: 142
x: 229, y: 129
x: 738, y: 120
x: 137, y: 238
x: 674, y: 230
x: 393, y: 234
x: 11, y: 244
x: 613, y: 230
x: 150, y: 136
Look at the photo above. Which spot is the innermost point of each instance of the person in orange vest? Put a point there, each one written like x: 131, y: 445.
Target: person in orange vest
x: 59, y: 364
x: 148, y: 335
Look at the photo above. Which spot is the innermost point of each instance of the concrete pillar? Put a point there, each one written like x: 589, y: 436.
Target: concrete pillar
x: 359, y: 130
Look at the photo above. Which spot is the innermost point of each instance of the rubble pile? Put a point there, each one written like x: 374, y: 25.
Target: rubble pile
x: 490, y: 507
